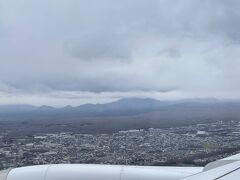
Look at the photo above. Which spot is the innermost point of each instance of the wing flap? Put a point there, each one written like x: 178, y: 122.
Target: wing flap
x: 228, y: 171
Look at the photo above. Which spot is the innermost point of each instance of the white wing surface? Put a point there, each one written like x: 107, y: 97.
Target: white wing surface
x: 224, y: 169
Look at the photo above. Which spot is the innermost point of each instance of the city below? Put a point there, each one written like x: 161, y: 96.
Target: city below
x: 190, y: 145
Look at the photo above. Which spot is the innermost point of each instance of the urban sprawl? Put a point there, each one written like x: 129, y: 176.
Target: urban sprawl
x: 193, y: 145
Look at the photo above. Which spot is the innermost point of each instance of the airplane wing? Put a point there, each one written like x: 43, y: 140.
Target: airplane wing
x: 224, y: 169
x: 97, y: 172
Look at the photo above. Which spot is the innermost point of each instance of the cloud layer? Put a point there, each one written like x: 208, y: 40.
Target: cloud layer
x: 139, y: 47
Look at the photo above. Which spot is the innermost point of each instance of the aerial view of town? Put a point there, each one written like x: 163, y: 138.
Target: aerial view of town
x: 192, y: 145
x: 119, y: 90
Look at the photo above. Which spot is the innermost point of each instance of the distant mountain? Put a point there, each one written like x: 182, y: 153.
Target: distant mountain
x: 45, y: 108
x: 137, y: 103
x: 17, y: 108
x: 67, y: 107
x: 199, y: 100
x: 128, y: 106
x: 122, y: 107
x: 124, y: 114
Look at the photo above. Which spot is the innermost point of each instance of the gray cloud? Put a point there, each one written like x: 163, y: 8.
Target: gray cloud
x: 185, y: 47
x: 99, y: 47
x: 170, y: 52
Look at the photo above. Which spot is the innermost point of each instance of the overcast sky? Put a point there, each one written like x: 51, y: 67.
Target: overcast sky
x: 60, y: 52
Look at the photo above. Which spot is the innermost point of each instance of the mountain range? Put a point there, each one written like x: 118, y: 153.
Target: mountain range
x: 120, y: 107
x: 124, y: 114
